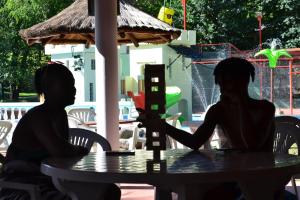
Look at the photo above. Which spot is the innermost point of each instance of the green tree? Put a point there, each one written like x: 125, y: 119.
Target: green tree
x: 18, y: 61
x: 282, y: 20
x: 234, y: 21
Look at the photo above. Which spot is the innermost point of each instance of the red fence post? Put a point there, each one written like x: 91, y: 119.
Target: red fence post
x: 291, y: 86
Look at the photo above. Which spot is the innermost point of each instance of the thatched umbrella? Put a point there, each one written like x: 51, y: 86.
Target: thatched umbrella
x: 74, y: 26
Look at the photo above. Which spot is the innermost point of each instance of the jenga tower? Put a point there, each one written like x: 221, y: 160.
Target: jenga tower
x: 155, y: 106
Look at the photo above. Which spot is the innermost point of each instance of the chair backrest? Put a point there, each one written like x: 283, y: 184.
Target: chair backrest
x: 5, y: 127
x: 132, y: 141
x: 172, y: 120
x: 287, y: 133
x: 74, y: 122
x: 32, y: 189
x: 84, y: 114
x: 87, y: 138
x: 2, y: 158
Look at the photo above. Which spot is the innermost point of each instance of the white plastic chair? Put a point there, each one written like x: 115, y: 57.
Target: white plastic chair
x: 172, y: 120
x: 287, y: 134
x: 84, y: 114
x: 5, y: 127
x: 131, y: 141
x: 75, y: 122
x: 86, y: 138
x: 77, y: 136
x: 33, y: 190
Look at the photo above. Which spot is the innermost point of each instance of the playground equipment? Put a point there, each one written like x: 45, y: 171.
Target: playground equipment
x: 273, y: 55
x: 166, y: 15
x: 173, y: 96
x: 285, y: 81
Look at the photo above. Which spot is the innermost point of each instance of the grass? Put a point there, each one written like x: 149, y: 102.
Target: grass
x: 27, y: 94
x: 23, y: 97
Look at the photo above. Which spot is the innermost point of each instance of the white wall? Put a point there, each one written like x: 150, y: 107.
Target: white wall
x: 89, y: 75
x: 176, y: 75
x: 150, y: 54
x: 137, y: 57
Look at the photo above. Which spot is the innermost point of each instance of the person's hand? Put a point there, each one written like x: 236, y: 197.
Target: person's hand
x: 141, y: 118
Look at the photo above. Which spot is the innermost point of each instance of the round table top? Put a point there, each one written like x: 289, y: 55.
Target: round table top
x: 181, y: 166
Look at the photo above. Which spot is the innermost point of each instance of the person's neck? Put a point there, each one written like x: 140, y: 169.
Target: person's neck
x: 245, y: 96
x: 53, y: 106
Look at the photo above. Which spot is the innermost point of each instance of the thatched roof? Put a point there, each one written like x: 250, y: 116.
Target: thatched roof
x: 74, y: 26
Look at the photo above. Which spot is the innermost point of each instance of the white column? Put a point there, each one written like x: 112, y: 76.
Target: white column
x: 107, y: 70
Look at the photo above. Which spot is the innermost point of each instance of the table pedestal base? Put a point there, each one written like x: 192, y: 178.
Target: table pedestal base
x: 271, y: 188
x: 267, y: 189
x: 184, y: 192
x: 81, y: 190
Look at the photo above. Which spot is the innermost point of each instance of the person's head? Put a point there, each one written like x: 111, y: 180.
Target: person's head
x: 56, y: 83
x: 233, y: 74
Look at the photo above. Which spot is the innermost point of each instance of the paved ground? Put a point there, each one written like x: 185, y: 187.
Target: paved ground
x: 148, y: 194
x: 140, y: 194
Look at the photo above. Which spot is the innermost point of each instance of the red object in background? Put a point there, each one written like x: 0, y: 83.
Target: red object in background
x: 139, y: 100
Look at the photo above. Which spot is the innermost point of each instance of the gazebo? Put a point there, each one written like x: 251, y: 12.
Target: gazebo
x: 73, y: 25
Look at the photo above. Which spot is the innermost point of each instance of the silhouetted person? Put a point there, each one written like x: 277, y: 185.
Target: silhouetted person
x: 43, y: 132
x: 247, y: 123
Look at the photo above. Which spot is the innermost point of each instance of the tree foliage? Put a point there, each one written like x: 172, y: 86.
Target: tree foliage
x: 235, y: 21
x: 18, y: 61
x: 216, y: 21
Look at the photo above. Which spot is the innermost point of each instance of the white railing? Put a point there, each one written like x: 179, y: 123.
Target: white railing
x: 14, y: 111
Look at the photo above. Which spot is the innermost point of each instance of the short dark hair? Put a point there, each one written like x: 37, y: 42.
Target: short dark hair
x: 46, y: 74
x: 235, y: 67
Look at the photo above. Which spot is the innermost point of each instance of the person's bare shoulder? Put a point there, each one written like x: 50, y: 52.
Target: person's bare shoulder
x: 36, y: 114
x: 214, y: 111
x: 217, y: 107
x: 265, y: 106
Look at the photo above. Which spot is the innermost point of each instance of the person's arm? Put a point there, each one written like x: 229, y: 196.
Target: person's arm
x: 201, y: 135
x: 56, y: 145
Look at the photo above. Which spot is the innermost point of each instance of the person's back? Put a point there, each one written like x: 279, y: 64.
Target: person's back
x: 27, y: 144
x: 256, y: 136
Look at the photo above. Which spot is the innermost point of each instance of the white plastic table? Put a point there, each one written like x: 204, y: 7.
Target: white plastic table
x: 258, y: 174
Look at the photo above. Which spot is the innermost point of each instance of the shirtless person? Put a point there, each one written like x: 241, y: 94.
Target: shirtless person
x: 43, y: 132
x: 247, y: 123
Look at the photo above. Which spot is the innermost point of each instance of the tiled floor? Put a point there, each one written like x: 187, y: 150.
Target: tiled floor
x: 139, y: 194
x: 148, y: 194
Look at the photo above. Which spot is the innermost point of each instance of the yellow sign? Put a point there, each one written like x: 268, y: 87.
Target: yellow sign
x: 166, y: 14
